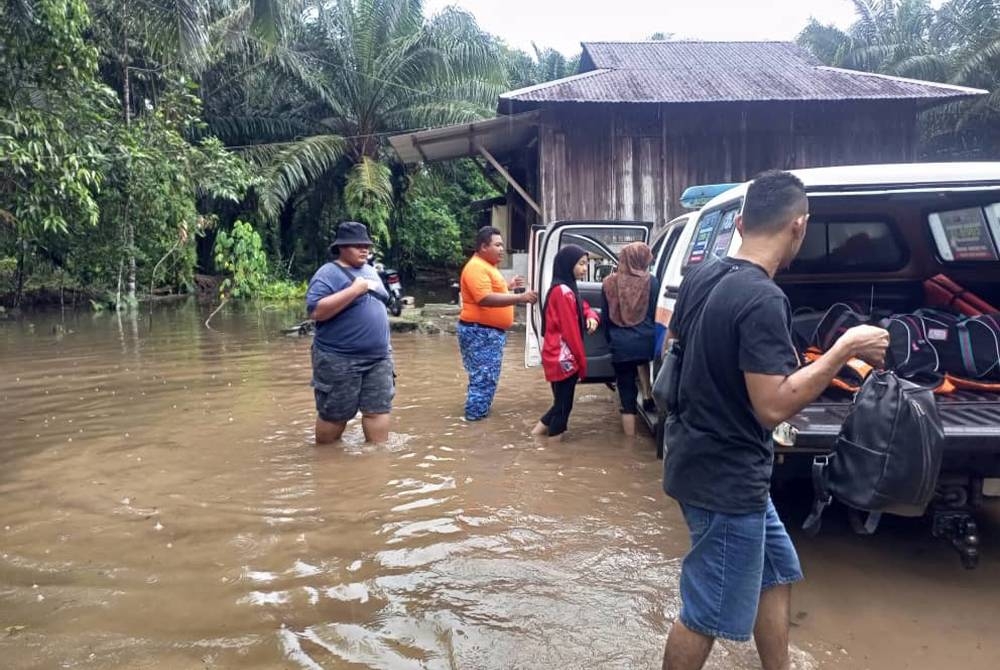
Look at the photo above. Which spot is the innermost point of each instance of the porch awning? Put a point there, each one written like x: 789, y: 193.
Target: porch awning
x: 497, y: 136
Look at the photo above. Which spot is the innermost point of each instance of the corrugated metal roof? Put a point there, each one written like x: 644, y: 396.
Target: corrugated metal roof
x: 684, y: 72
x: 499, y: 136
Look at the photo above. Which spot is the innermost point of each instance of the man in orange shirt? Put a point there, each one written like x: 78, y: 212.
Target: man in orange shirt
x: 487, y: 313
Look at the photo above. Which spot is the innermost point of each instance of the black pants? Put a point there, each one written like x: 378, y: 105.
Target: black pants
x: 557, y: 418
x: 627, y: 381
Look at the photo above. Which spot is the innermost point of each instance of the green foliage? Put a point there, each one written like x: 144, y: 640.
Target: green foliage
x: 957, y: 43
x: 543, y: 65
x: 368, y: 196
x: 435, y: 217
x: 283, y: 289
x: 241, y: 255
x: 52, y: 116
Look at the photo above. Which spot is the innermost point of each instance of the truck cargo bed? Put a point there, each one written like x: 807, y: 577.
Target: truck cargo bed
x: 971, y: 420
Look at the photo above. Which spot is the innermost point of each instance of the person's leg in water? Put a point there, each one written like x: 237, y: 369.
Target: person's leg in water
x: 328, y: 432
x: 482, y: 356
x: 378, y: 388
x: 781, y: 570
x: 336, y: 386
x: 770, y: 631
x: 722, y: 578
x: 625, y: 380
x: 686, y: 649
x: 376, y: 427
x: 557, y: 419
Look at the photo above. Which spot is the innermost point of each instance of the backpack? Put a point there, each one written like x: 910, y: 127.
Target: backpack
x: 887, y: 457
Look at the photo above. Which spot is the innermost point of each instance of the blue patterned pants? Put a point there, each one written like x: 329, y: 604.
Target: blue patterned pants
x: 482, y: 356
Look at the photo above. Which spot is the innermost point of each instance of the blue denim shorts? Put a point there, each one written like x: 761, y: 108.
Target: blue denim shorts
x: 733, y: 558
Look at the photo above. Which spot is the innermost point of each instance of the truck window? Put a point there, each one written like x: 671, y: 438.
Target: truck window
x: 849, y: 246
x: 602, y: 244
x: 968, y: 234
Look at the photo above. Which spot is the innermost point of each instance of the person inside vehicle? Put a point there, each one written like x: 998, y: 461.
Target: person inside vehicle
x: 739, y: 379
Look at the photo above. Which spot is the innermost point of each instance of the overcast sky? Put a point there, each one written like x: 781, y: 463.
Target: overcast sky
x: 563, y: 24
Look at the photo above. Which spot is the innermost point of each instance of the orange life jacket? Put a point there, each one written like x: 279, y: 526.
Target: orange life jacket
x: 855, y: 371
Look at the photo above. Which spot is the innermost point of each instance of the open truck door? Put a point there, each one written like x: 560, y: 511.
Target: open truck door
x: 602, y: 240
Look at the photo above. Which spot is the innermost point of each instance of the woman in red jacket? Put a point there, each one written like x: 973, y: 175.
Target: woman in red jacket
x: 565, y: 317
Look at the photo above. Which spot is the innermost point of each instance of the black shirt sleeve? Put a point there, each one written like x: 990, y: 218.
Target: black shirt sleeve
x: 765, y: 338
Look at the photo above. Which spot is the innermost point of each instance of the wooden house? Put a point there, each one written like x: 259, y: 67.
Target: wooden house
x: 642, y: 121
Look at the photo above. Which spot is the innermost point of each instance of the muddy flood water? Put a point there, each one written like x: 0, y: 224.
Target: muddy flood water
x: 162, y: 506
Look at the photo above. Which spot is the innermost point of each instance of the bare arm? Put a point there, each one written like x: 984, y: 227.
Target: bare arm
x: 777, y: 398
x: 507, y: 299
x: 335, y: 303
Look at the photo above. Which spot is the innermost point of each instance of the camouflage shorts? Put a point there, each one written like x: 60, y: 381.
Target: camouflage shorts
x: 345, y: 384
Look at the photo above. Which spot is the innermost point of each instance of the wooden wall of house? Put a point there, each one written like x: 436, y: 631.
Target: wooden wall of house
x: 632, y: 162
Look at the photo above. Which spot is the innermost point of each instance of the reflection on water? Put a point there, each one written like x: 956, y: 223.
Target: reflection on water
x: 163, y: 506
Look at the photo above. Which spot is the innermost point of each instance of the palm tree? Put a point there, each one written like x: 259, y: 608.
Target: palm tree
x: 363, y: 69
x: 972, y: 29
x: 958, y: 44
x: 889, y: 36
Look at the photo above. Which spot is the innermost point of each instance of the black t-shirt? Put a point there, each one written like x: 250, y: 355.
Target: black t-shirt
x: 730, y: 318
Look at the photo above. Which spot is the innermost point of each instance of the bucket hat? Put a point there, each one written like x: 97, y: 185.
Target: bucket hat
x: 350, y: 233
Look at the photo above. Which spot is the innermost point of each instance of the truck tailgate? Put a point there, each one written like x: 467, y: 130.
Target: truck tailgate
x: 971, y: 420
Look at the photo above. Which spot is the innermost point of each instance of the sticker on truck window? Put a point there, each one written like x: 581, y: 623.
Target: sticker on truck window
x: 702, y: 239
x: 963, y: 235
x: 725, y: 234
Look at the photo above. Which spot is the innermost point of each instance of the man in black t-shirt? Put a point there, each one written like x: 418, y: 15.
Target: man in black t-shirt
x: 739, y: 378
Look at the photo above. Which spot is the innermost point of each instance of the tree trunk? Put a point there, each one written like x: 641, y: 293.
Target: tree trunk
x: 129, y: 227
x: 19, y: 276
x: 130, y: 296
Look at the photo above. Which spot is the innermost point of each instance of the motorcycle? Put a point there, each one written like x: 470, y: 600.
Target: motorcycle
x: 392, y: 285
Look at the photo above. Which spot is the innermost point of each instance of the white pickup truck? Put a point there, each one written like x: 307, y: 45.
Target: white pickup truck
x: 876, y: 232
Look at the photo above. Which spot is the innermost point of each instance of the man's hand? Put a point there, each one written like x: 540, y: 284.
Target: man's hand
x: 517, y: 281
x: 360, y: 286
x: 591, y: 326
x: 868, y: 343
x: 529, y: 297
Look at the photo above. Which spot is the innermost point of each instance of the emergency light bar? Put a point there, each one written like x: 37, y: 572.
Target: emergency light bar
x: 695, y: 197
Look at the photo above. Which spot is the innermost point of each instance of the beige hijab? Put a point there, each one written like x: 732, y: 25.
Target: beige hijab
x: 627, y: 288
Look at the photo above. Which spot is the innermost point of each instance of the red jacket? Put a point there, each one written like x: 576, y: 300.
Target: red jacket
x: 563, y: 354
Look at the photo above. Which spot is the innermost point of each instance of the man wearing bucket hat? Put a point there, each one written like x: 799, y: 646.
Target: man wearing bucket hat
x: 351, y: 356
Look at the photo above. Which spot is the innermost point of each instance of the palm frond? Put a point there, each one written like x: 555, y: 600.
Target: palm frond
x: 257, y: 128
x: 828, y: 43
x: 368, y: 196
x: 293, y: 167
x: 929, y: 67
x: 369, y: 180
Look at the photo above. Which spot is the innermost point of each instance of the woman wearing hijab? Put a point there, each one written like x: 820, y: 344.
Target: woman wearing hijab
x: 564, y: 319
x: 630, y: 309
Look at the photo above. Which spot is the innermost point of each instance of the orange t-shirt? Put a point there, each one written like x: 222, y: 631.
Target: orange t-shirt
x: 479, y: 279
